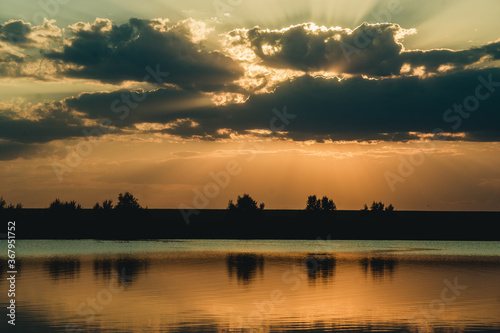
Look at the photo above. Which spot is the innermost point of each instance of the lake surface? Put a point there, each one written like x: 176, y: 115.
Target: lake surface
x: 254, y: 286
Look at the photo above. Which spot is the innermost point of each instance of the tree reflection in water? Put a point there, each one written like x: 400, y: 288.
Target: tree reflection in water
x: 320, y: 266
x: 126, y: 270
x: 379, y: 267
x: 245, y: 265
x: 62, y: 268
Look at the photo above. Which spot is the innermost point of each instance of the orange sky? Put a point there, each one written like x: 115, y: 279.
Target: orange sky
x: 452, y: 176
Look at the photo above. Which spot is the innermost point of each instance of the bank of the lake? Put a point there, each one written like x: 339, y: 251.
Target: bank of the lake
x: 268, y: 224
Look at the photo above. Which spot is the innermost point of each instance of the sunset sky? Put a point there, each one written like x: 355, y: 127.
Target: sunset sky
x: 394, y: 101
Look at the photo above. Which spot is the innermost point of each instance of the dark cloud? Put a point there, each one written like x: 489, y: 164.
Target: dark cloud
x: 310, y: 48
x: 10, y: 63
x: 362, y: 109
x: 126, y: 108
x: 352, y: 109
x: 46, y: 122
x: 16, y: 32
x: 22, y: 46
x: 165, y: 106
x: 370, y: 49
x: 13, y: 33
x: 394, y: 109
x: 37, y: 131
x: 133, y: 51
x: 13, y: 150
x: 26, y: 36
x: 113, y: 54
x: 119, y: 110
x: 8, y: 57
x: 433, y: 59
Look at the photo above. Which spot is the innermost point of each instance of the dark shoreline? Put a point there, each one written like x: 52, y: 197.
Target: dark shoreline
x: 268, y: 224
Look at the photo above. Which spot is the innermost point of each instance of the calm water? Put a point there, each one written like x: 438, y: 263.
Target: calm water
x: 255, y: 286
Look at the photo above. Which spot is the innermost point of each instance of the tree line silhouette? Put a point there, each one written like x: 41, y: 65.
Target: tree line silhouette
x: 244, y: 204
x: 3, y: 205
x: 325, y: 204
x: 245, y: 218
x: 378, y: 207
x: 126, y: 201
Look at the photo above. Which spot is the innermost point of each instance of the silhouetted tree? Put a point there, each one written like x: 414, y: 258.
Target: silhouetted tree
x: 17, y: 206
x: 327, y: 205
x: 58, y: 205
x: 377, y: 207
x: 127, y: 201
x: 245, y: 203
x: 315, y: 204
x: 3, y: 205
x: 106, y: 205
x: 55, y: 204
x: 72, y: 205
x: 365, y: 208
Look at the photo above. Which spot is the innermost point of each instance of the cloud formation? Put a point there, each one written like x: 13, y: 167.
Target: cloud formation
x: 361, y: 109
x: 112, y: 53
x: 50, y: 121
x: 396, y: 109
x: 308, y: 47
x: 385, y: 92
x: 16, y: 32
x: 370, y: 49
